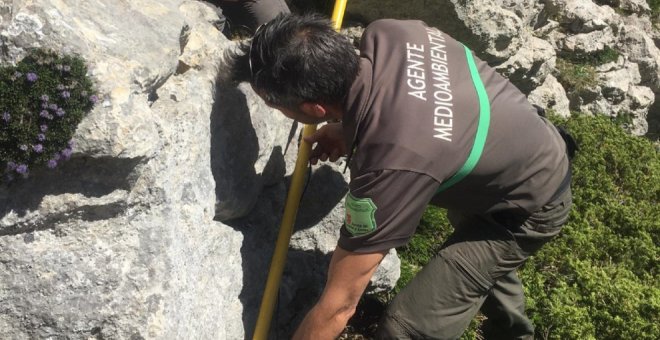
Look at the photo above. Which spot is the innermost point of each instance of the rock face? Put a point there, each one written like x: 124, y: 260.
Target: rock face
x: 524, y: 39
x: 163, y: 223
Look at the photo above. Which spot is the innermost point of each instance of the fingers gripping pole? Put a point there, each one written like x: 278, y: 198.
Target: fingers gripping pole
x: 288, y: 219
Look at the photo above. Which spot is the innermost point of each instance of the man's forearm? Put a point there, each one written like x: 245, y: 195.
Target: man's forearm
x: 348, y: 275
x: 323, y: 323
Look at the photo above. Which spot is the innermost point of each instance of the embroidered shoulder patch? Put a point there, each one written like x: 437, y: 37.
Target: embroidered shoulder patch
x: 360, y: 215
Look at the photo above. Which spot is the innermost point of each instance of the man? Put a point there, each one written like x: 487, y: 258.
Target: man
x: 422, y: 121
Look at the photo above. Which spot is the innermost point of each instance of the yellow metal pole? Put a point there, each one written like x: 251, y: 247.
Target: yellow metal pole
x: 288, y: 220
x: 338, y: 13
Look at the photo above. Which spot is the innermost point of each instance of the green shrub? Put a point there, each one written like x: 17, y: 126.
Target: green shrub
x: 599, y: 278
x: 655, y: 10
x: 42, y: 100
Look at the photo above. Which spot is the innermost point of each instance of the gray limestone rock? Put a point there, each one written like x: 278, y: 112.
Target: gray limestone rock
x: 580, y: 16
x: 529, y: 67
x: 641, y: 49
x: 585, y: 43
x: 551, y: 95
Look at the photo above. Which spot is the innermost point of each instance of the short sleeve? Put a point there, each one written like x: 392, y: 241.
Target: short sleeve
x: 383, y: 209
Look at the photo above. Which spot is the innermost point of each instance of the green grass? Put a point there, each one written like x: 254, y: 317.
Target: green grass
x: 574, y: 76
x: 577, y: 71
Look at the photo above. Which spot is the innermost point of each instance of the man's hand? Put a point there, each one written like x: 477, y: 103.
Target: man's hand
x: 330, y: 143
x: 348, y: 276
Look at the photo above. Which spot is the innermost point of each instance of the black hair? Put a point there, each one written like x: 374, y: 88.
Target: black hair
x: 297, y: 58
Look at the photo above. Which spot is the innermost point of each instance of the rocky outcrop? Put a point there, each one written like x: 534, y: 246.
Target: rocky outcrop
x: 162, y: 224
x: 524, y: 39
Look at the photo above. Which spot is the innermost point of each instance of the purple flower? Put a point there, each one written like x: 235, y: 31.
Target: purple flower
x: 11, y: 166
x: 44, y: 113
x: 60, y: 112
x: 38, y: 148
x: 31, y: 77
x: 94, y: 99
x: 45, y: 97
x: 44, y: 105
x: 65, y: 94
x: 56, y: 156
x: 41, y: 137
x: 6, y: 116
x: 22, y: 169
x: 71, y: 143
x: 66, y: 153
x: 52, y: 106
x: 51, y: 163
x: 43, y: 128
x: 23, y: 147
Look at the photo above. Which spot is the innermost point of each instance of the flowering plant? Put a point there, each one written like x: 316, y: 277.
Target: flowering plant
x: 42, y: 100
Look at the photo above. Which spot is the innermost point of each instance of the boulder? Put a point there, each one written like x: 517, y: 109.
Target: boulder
x: 579, y: 16
x: 619, y: 95
x: 529, y: 67
x: 551, y: 96
x: 641, y: 49
x: 120, y: 242
x: 588, y: 43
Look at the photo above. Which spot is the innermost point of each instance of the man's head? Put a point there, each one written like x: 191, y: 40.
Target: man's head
x: 298, y: 64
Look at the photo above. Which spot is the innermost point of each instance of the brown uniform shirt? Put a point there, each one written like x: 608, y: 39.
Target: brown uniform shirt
x: 411, y: 118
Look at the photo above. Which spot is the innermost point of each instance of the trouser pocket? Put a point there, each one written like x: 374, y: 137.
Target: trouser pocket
x: 544, y: 224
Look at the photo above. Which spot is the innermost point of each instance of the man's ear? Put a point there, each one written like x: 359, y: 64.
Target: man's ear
x: 313, y: 109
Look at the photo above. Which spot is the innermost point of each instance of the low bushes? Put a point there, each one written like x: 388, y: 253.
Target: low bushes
x: 42, y: 100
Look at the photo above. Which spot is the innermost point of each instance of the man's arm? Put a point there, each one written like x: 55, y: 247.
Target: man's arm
x: 348, y: 276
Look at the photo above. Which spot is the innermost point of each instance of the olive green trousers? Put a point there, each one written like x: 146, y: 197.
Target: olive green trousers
x: 475, y: 270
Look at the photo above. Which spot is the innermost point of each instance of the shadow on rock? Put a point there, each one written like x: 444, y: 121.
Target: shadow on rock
x: 325, y: 190
x: 305, y: 271
x: 91, y: 177
x: 234, y: 151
